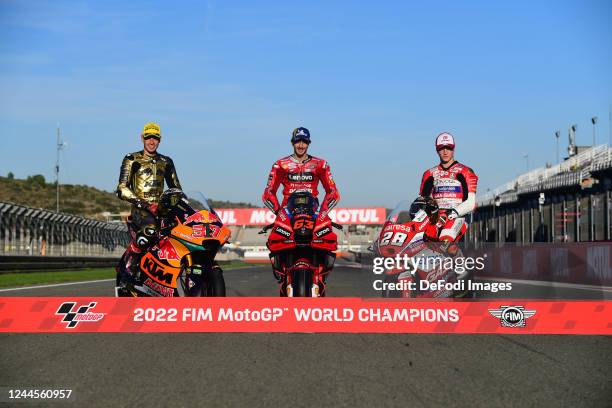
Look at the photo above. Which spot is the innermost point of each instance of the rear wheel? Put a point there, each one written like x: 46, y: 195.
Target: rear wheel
x: 390, y: 293
x: 302, y: 283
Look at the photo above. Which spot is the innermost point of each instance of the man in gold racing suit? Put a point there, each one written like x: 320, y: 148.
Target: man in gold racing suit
x: 141, y: 182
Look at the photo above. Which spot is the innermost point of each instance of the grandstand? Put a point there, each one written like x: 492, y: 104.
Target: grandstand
x: 568, y: 202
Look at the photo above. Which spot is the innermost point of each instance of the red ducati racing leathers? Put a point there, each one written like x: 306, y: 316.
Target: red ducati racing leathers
x: 304, y: 176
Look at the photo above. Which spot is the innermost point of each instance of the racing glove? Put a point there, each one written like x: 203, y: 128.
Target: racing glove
x: 143, y: 205
x: 452, y: 214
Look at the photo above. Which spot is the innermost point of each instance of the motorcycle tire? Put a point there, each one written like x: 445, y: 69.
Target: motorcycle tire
x: 388, y: 293
x: 214, y: 284
x: 302, y: 283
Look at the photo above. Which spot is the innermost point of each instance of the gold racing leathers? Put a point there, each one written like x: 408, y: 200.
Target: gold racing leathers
x: 141, y: 182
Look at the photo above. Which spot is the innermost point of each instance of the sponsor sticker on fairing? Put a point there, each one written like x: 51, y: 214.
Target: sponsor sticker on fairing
x: 323, y: 231
x: 282, y: 231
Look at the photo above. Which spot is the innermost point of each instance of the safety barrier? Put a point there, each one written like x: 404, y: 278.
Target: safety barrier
x: 38, y: 232
x: 13, y: 263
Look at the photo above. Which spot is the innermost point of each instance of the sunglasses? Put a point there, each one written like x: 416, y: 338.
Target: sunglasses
x: 147, y: 137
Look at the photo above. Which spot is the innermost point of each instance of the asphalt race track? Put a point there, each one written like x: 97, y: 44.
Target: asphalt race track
x: 275, y: 369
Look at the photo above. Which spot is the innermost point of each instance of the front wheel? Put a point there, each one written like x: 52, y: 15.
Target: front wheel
x: 302, y: 283
x: 199, y: 281
x: 214, y: 285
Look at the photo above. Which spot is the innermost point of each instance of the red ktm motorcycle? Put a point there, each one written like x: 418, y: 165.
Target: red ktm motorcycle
x: 301, y: 247
x: 410, y: 229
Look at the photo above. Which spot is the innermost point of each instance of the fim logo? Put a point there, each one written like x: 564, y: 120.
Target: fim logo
x: 512, y: 316
x: 82, y: 314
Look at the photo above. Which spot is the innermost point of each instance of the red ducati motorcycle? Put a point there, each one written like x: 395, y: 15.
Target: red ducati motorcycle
x: 407, y: 231
x: 301, y: 247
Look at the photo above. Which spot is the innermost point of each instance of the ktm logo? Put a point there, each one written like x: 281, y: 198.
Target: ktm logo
x: 156, y: 271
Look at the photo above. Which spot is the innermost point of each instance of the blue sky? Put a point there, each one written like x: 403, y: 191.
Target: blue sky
x: 228, y: 81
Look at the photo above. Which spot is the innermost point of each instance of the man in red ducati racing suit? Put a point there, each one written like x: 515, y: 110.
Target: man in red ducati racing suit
x: 300, y: 172
x: 453, y: 186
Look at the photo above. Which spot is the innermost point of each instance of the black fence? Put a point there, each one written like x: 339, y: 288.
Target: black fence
x: 37, y: 232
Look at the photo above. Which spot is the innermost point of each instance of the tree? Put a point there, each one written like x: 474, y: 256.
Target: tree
x: 37, y: 180
x: 10, y: 175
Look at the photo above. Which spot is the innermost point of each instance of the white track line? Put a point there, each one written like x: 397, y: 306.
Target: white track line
x: 55, y: 285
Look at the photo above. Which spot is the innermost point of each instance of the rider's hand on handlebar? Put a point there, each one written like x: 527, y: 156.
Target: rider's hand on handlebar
x: 143, y: 205
x: 153, y: 208
x: 452, y: 214
x: 431, y: 232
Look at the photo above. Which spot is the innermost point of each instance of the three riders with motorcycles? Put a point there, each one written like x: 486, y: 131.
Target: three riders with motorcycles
x: 451, y: 185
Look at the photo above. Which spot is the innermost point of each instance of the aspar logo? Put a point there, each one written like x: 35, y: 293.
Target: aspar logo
x: 512, y: 316
x: 82, y: 314
x: 282, y: 231
x: 300, y: 177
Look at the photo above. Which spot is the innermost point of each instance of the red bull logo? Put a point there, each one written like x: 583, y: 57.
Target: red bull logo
x: 167, y: 251
x: 197, y: 217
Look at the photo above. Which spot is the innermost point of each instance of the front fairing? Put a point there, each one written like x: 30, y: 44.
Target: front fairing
x: 196, y: 222
x: 402, y: 232
x: 298, y: 224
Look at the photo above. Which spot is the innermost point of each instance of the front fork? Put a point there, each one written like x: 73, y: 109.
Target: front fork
x: 283, y: 275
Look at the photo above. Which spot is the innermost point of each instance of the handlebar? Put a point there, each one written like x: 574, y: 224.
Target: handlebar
x: 269, y: 226
x: 266, y: 228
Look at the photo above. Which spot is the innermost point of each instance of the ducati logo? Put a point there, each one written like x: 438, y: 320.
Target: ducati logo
x: 512, y: 316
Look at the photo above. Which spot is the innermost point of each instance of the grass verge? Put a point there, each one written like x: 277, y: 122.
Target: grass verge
x: 17, y: 279
x: 11, y: 280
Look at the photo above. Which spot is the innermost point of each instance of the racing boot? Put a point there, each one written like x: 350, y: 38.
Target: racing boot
x: 132, y: 263
x: 277, y: 275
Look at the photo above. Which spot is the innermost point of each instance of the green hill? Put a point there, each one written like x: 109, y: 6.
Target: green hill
x: 76, y: 199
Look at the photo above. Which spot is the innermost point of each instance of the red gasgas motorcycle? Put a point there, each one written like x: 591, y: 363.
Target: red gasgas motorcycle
x: 301, y: 247
x: 408, y: 231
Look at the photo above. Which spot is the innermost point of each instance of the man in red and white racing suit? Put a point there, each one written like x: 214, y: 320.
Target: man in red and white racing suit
x: 453, y: 186
x: 300, y: 172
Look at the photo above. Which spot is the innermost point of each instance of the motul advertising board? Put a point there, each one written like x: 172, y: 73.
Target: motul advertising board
x: 262, y: 216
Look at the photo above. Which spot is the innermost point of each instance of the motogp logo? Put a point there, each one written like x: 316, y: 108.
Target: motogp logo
x: 82, y: 314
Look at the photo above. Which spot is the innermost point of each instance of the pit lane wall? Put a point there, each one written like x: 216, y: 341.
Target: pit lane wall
x: 588, y: 263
